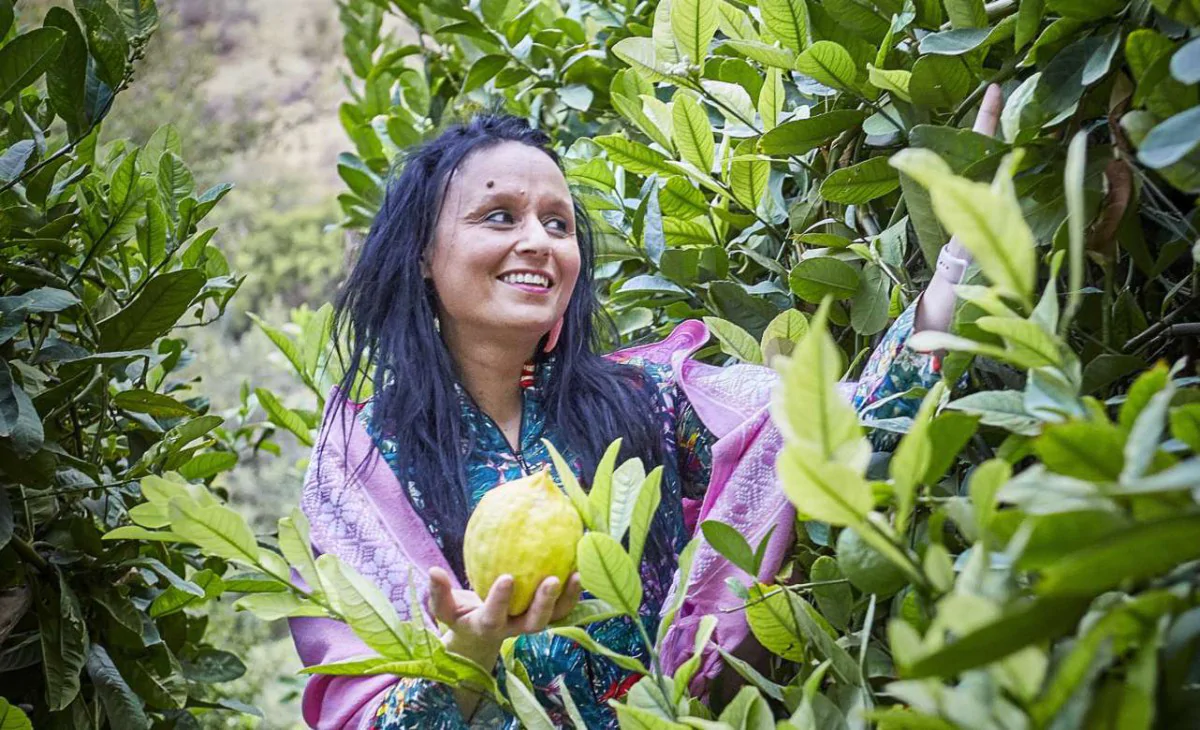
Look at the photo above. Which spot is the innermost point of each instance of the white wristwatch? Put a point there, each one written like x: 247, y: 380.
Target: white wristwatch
x: 952, y: 267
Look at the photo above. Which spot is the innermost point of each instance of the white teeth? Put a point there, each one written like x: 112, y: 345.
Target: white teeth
x: 523, y: 278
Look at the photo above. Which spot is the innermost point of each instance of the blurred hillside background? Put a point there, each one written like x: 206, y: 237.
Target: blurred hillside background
x: 253, y: 87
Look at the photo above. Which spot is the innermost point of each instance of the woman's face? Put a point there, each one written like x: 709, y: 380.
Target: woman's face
x: 504, y: 255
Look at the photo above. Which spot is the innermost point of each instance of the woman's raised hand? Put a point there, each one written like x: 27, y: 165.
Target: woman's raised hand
x: 477, y: 627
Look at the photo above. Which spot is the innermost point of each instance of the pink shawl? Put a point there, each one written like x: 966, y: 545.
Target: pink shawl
x: 362, y: 516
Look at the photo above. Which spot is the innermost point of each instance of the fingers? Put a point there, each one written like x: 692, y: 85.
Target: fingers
x: 493, y: 614
x: 540, y: 611
x: 441, y: 597
x: 568, y: 598
x: 989, y: 111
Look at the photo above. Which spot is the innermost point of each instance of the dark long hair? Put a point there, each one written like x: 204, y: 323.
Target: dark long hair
x: 386, y: 313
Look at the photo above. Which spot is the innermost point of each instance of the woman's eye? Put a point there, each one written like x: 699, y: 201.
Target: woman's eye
x: 499, y: 216
x: 559, y: 225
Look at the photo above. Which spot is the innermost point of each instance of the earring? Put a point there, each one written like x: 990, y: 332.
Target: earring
x: 437, y: 324
x: 552, y: 338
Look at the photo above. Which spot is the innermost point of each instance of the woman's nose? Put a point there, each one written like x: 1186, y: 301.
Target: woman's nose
x: 535, y: 240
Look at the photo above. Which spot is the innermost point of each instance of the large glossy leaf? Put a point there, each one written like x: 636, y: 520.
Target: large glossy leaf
x: 295, y: 544
x: 216, y: 528
x: 830, y: 64
x: 788, y: 21
x: 734, y: 340
x: 25, y: 58
x: 819, y: 276
x: 692, y: 131
x: 121, y: 704
x: 153, y: 312
x: 283, y: 416
x: 861, y: 183
x: 694, y: 22
x: 608, y: 573
x: 107, y: 39
x: 827, y: 491
x: 634, y: 156
x: 369, y: 612
x: 801, y: 135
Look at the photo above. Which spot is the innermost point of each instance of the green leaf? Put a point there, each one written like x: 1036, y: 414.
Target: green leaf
x: 729, y: 543
x: 295, y: 544
x: 211, y: 666
x: 787, y: 20
x: 869, y: 309
x: 734, y: 340
x: 912, y: 456
x: 153, y: 312
x: 13, y: 718
x: 640, y: 54
x: 608, y: 573
x: 367, y: 610
x: 748, y: 177
x: 893, y: 81
x: 635, y: 718
x: 764, y: 53
x: 483, y: 70
x: 121, y: 704
x: 986, y: 219
x: 1090, y: 450
x: 771, y: 621
x: 1172, y: 140
x: 634, y: 156
x: 830, y: 64
x: 1085, y: 9
x: 570, y: 485
x: 827, y: 491
x: 802, y: 135
x: 176, y: 598
x: 283, y: 416
x: 648, y: 500
x: 64, y: 639
x: 106, y: 39
x: 216, y: 529
x: 836, y: 601
x: 274, y: 606
x: 816, y: 277
x: 692, y: 131
x: 1142, y: 551
x: 208, y: 464
x: 1024, y: 340
x: 525, y: 706
x: 1185, y: 425
x: 694, y: 22
x: 860, y: 183
x: 966, y: 13
x: 156, y: 404
x: 584, y: 639
x: 627, y: 480
x: 1018, y: 627
x: 771, y: 99
x: 941, y: 82
x: 25, y: 58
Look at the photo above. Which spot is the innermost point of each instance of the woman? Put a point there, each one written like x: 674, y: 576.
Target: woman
x: 473, y: 300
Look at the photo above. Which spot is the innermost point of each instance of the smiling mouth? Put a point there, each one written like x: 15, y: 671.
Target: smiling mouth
x: 528, y: 281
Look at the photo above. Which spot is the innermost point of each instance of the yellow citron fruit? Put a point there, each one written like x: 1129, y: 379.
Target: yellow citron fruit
x: 525, y: 528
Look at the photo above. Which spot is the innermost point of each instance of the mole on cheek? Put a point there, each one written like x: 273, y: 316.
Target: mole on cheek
x: 491, y: 183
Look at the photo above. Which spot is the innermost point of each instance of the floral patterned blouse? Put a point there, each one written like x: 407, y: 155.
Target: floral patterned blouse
x: 555, y: 664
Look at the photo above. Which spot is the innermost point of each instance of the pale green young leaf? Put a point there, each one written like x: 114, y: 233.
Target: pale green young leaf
x: 772, y: 622
x: 584, y: 639
x: 289, y: 348
x: 986, y: 219
x: 824, y: 490
x: 600, y: 495
x: 633, y: 109
x: 735, y: 23
x: 284, y: 417
x: 803, y: 135
x: 734, y: 340
x: 216, y: 529
x: 314, y: 338
x: 682, y: 583
x: 135, y: 532
x: 787, y: 20
x: 693, y: 132
x: 986, y: 480
x: 367, y: 611
x: 570, y: 485
x: 734, y: 101
x: 1024, y: 340
x: 274, y: 606
x: 893, y: 81
x: 636, y: 718
x: 789, y: 325
x: 911, y: 459
x: 808, y: 409
x: 694, y: 22
x: 658, y: 113
x: 626, y: 481
x: 666, y: 49
x: 639, y: 54
x: 525, y: 705
x: 830, y: 64
x: 748, y: 176
x: 648, y: 499
x: 608, y: 573
x: 295, y: 544
x: 770, y: 99
x: 1073, y: 175
x: 765, y: 53
x: 634, y: 156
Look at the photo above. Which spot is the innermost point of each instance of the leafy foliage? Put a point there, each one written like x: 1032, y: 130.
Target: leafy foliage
x: 105, y: 262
